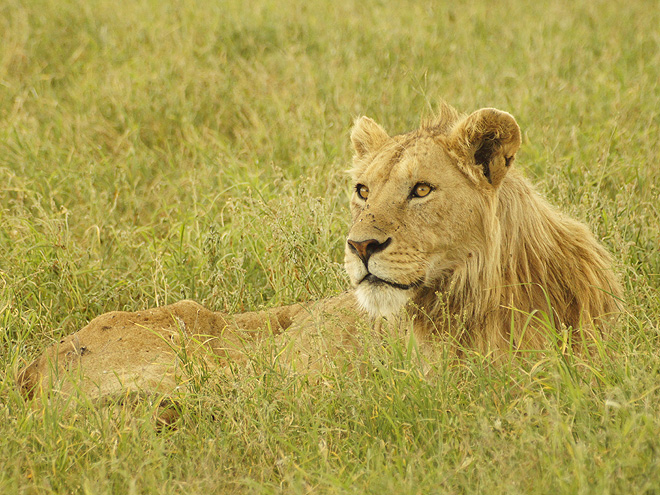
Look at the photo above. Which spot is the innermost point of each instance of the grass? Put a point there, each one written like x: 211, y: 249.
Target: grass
x: 153, y: 151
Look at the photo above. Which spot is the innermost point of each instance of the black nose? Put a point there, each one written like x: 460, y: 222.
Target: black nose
x: 364, y: 249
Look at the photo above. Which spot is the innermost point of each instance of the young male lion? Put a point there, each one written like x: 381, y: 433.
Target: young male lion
x: 447, y: 239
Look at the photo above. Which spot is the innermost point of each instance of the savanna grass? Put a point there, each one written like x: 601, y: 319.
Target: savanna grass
x: 153, y: 151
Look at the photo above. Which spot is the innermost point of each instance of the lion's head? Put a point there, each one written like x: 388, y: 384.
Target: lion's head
x: 424, y: 202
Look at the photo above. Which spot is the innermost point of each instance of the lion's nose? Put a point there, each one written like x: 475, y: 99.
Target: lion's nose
x: 364, y: 249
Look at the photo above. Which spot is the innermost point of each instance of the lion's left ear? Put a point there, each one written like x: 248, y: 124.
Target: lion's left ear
x: 367, y: 136
x: 486, y: 143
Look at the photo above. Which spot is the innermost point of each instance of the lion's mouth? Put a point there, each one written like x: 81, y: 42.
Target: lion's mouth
x: 374, y: 280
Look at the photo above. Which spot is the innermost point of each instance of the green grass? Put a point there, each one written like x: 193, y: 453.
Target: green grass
x: 153, y: 151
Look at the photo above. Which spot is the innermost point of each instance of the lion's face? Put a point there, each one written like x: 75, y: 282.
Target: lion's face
x: 422, y: 204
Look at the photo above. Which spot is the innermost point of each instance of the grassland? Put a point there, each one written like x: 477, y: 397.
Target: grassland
x: 153, y: 151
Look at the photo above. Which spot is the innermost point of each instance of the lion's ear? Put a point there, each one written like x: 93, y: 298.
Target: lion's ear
x: 486, y: 142
x: 367, y: 136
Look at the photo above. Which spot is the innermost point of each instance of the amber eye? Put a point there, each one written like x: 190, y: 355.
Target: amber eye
x: 420, y: 190
x: 362, y: 191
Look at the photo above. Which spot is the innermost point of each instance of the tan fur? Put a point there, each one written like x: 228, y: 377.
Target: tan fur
x: 496, y: 266
x: 481, y: 260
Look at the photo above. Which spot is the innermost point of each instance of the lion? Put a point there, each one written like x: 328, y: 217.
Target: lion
x: 448, y: 241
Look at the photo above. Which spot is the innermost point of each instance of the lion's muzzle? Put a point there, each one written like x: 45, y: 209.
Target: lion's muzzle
x: 365, y: 249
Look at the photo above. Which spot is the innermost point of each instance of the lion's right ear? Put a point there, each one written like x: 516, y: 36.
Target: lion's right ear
x: 367, y: 136
x: 485, y: 144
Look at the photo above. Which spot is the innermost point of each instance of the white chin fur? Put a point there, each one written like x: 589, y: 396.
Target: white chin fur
x: 380, y: 301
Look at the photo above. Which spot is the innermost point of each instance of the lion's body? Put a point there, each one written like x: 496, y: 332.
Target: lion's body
x: 148, y: 351
x: 445, y: 237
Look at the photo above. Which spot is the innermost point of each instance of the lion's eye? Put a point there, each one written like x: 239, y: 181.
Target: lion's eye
x: 420, y: 190
x: 362, y: 191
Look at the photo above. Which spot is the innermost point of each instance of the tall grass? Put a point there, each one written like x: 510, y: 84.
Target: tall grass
x: 153, y: 151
